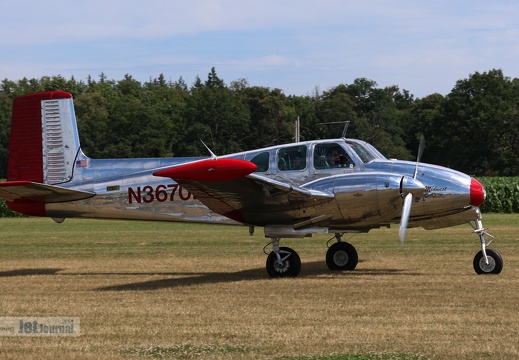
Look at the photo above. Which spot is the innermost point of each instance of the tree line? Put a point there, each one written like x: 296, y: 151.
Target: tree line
x: 475, y: 128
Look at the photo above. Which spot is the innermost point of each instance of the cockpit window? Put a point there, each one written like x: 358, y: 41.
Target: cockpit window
x: 262, y: 161
x: 331, y: 155
x: 292, y: 158
x: 365, y: 151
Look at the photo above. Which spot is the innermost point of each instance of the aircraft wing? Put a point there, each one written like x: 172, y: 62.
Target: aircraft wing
x: 41, y: 193
x: 244, y: 194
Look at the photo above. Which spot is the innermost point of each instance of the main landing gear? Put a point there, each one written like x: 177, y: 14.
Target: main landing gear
x: 486, y: 261
x: 341, y: 255
x: 285, y: 262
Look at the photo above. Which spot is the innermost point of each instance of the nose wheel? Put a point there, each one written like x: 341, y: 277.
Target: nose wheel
x: 493, y: 264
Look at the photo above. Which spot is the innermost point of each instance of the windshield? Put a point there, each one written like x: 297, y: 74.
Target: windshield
x: 365, y: 151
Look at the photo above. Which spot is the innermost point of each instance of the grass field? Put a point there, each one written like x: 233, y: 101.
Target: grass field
x: 161, y: 290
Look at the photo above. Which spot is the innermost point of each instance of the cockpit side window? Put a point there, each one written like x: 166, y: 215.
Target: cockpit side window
x: 365, y: 151
x: 331, y: 155
x: 363, y: 154
x: 261, y: 161
x: 292, y: 158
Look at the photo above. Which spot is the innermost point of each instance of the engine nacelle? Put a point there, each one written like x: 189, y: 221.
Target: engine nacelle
x: 370, y: 198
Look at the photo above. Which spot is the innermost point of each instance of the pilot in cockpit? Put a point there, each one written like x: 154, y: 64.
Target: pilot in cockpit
x: 338, y: 158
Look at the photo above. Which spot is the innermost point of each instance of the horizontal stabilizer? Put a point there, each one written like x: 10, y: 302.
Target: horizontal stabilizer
x: 40, y: 193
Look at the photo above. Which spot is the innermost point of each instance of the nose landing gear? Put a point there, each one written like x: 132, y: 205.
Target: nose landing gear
x: 486, y: 261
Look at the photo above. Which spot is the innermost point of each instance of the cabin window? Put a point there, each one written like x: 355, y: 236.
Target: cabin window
x: 261, y: 161
x: 331, y: 155
x: 292, y: 158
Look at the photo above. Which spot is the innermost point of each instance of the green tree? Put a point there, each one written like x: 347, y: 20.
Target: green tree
x: 168, y: 102
x: 474, y: 129
x: 214, y: 115
x: 423, y: 117
x: 305, y: 107
x: 92, y: 118
x: 271, y: 115
x: 332, y: 108
x: 480, y: 126
x: 376, y: 114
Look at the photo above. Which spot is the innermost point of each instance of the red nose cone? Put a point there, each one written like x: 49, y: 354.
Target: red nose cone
x: 477, y: 193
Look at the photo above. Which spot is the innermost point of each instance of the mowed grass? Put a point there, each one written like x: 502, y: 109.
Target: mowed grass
x: 163, y: 290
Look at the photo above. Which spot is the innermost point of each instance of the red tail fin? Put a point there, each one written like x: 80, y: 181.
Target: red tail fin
x: 43, y: 147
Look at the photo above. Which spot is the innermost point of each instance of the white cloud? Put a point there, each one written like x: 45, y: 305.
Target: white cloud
x: 261, y: 63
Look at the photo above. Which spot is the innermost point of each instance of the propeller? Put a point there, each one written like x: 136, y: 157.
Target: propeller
x: 408, y: 186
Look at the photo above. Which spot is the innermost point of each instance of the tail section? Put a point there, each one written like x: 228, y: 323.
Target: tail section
x: 43, y: 148
x: 44, y: 141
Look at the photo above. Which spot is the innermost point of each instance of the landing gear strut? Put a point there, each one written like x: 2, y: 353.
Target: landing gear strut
x: 486, y: 261
x: 283, y: 261
x: 341, y: 255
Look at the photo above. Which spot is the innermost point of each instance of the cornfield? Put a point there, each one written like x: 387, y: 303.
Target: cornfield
x: 502, y: 194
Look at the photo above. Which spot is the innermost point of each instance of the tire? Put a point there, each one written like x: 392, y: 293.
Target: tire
x: 495, y: 263
x: 290, y: 264
x: 342, y: 256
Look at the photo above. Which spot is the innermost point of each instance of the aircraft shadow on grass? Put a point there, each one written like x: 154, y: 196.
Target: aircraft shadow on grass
x: 29, y: 272
x: 310, y: 270
x: 178, y: 279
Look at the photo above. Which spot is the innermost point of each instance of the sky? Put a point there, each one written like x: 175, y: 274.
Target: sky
x: 298, y: 46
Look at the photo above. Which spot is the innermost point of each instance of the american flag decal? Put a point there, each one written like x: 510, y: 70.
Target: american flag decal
x: 81, y: 163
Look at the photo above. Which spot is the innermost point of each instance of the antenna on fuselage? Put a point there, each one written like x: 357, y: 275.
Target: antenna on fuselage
x: 297, y: 136
x: 213, y: 155
x: 346, y: 124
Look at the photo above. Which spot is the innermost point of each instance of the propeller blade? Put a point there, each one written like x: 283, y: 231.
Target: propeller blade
x: 406, y: 212
x: 421, y: 147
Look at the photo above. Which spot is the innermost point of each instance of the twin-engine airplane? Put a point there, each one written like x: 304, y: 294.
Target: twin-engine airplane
x: 331, y: 186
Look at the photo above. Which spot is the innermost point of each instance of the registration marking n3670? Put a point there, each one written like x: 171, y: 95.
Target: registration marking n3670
x: 148, y: 193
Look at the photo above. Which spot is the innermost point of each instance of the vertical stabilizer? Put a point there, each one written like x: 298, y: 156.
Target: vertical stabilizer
x: 44, y: 141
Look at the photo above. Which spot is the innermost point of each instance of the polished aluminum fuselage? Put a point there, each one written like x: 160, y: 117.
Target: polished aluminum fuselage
x: 367, y: 190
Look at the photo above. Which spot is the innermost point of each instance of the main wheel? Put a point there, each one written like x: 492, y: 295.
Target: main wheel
x: 342, y: 256
x: 289, y: 266
x: 495, y: 262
